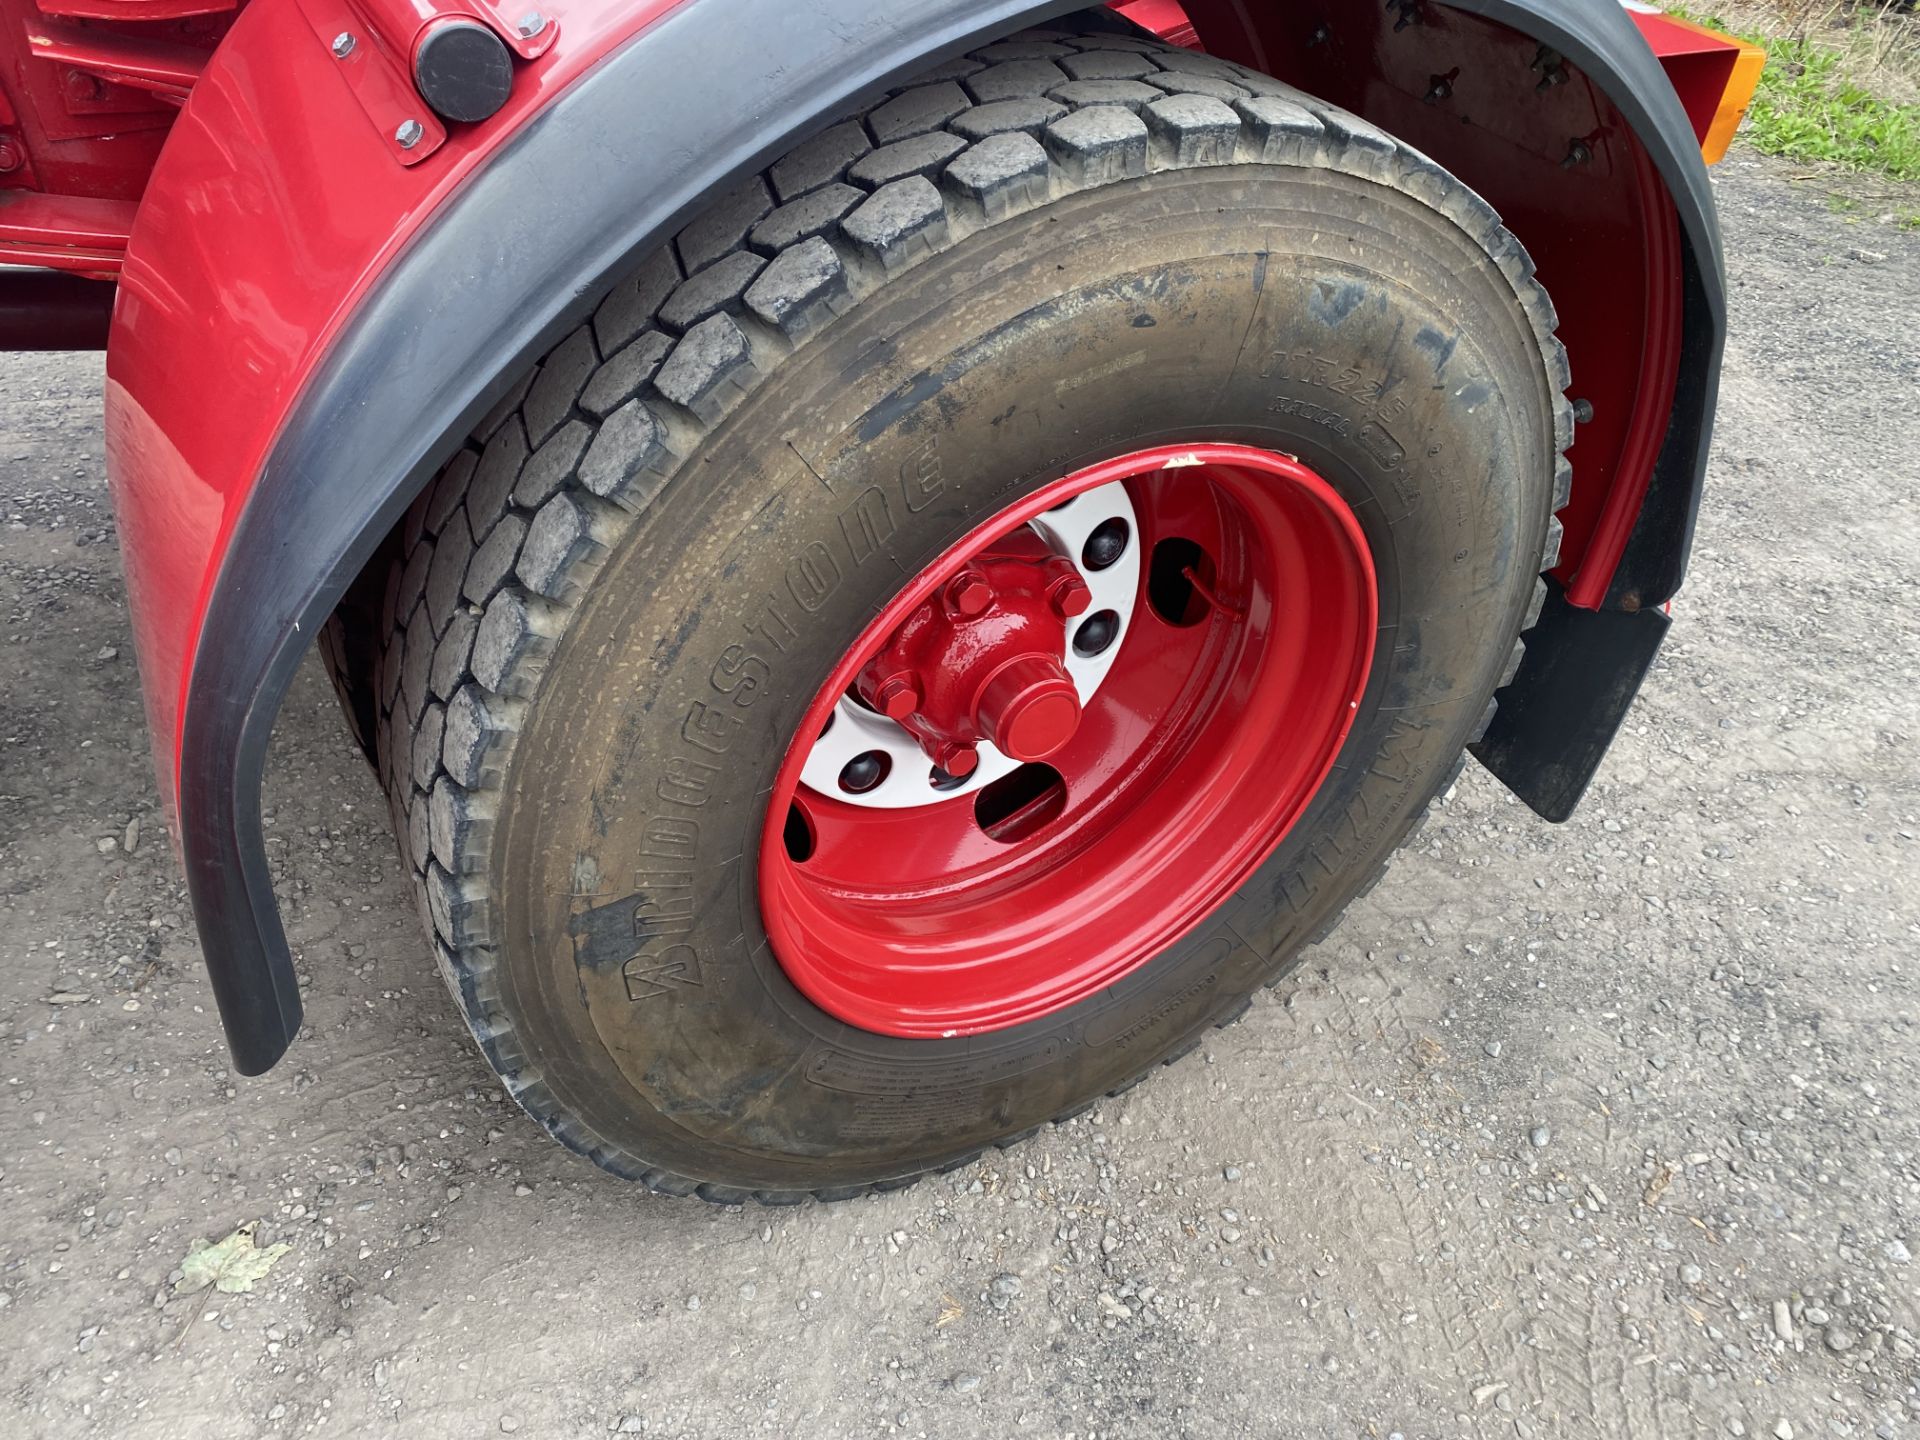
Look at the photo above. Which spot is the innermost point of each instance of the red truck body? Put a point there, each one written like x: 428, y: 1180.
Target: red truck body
x: 247, y: 175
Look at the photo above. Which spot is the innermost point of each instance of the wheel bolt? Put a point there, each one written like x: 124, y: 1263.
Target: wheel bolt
x: 957, y: 760
x: 1070, y: 596
x: 969, y: 593
x: 897, y: 698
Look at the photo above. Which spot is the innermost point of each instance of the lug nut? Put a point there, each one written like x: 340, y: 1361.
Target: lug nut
x: 897, y: 698
x: 969, y: 593
x: 957, y: 760
x: 1070, y: 596
x: 1106, y: 544
x: 1096, y: 634
x: 864, y: 772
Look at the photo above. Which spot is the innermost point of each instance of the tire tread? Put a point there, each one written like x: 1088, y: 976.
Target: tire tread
x: 581, y: 445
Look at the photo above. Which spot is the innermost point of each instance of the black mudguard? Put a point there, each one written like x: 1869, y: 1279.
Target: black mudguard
x: 1583, y: 668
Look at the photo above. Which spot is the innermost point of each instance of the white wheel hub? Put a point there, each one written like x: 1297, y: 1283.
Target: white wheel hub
x: 910, y: 777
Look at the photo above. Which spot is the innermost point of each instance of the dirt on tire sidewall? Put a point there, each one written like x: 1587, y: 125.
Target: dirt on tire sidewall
x: 1083, y: 331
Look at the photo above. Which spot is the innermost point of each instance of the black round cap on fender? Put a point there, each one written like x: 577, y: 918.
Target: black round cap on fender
x: 463, y: 70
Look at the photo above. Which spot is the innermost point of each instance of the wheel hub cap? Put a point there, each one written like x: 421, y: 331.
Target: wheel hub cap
x: 983, y: 659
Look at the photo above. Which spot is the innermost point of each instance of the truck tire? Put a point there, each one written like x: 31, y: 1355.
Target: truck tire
x: 961, y: 619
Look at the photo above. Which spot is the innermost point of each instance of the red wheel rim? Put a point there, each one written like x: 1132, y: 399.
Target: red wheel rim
x: 1226, y: 699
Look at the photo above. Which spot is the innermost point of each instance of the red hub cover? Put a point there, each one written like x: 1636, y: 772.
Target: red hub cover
x: 983, y: 658
x: 1120, y: 693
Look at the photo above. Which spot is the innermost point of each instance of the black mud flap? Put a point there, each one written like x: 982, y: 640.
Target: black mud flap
x: 1573, y: 690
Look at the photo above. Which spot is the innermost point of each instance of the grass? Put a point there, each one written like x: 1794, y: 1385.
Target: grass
x: 1806, y: 109
x: 1840, y: 85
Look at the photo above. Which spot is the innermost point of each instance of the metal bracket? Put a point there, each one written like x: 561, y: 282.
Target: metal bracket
x: 372, y: 42
x: 159, y: 68
x: 379, y: 80
x: 524, y: 25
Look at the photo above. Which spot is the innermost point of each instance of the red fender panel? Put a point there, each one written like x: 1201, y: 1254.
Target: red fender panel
x: 275, y: 205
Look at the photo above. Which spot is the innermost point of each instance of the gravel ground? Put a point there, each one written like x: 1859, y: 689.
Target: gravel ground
x: 1607, y: 1129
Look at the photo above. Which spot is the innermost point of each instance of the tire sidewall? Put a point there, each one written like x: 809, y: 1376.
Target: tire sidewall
x: 1376, y: 343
